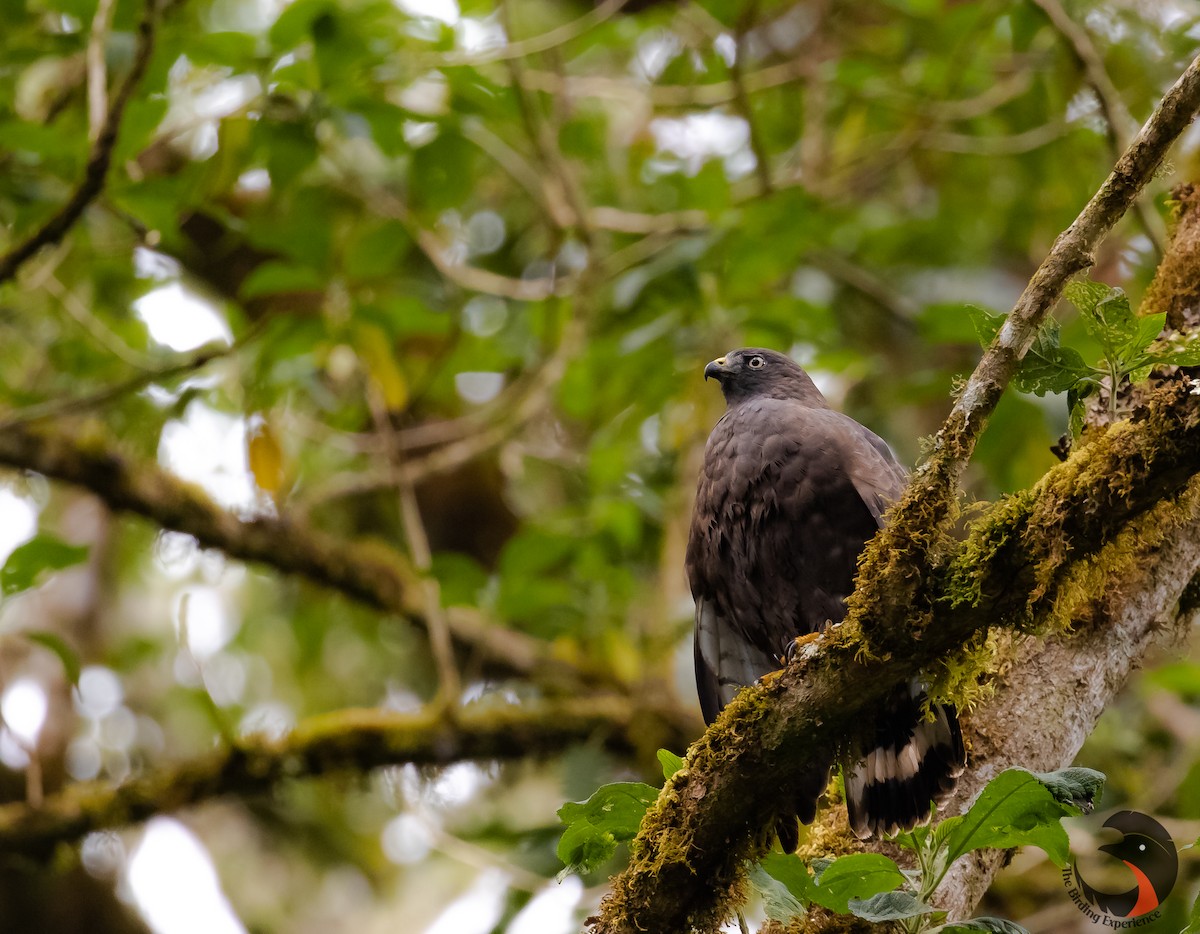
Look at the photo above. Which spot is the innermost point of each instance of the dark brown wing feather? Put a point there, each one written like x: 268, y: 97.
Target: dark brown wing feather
x: 787, y: 498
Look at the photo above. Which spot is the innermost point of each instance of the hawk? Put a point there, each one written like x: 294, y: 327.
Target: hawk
x: 790, y: 493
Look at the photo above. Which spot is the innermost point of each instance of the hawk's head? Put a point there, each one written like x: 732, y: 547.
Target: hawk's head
x: 755, y: 372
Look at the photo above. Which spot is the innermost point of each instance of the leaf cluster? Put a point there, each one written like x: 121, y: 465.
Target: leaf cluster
x: 1130, y: 344
x: 1016, y: 808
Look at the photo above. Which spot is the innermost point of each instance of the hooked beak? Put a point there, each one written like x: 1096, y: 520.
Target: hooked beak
x: 716, y: 370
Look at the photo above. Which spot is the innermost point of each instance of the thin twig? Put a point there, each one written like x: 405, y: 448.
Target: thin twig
x: 669, y: 95
x: 1121, y: 124
x: 370, y: 572
x: 475, y: 436
x: 511, y: 51
x: 1007, y: 145
x: 568, y: 194
x: 97, y: 77
x: 181, y: 365
x: 471, y: 278
x: 96, y: 171
x: 449, y: 682
x: 43, y: 276
x: 741, y: 100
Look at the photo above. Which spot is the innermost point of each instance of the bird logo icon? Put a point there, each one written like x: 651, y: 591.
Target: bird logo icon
x: 1149, y: 852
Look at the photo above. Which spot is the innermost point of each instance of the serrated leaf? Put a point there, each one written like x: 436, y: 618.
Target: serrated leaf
x: 1178, y: 353
x: 595, y: 826
x: 1049, y: 367
x: 59, y: 646
x: 1074, y: 786
x: 1018, y: 808
x: 790, y: 871
x: 1149, y: 327
x: 1085, y: 294
x: 40, y: 554
x: 995, y: 925
x: 778, y: 900
x: 889, y: 906
x: 670, y: 762
x: 857, y: 876
x: 1112, y: 321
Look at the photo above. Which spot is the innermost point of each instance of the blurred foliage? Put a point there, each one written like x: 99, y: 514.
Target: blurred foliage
x: 501, y: 243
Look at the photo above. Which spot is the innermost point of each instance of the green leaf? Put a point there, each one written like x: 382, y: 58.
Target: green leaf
x: 1019, y: 808
x: 59, y: 646
x: 789, y: 869
x: 1149, y: 327
x: 41, y: 553
x: 1077, y: 787
x: 987, y: 323
x: 889, y: 906
x: 273, y: 277
x: 295, y: 22
x: 1085, y: 294
x: 1178, y: 352
x: 995, y: 925
x: 1193, y: 925
x: 1076, y: 409
x: 597, y: 825
x: 1049, y: 367
x: 1112, y: 321
x: 857, y: 876
x: 779, y: 902
x: 671, y: 763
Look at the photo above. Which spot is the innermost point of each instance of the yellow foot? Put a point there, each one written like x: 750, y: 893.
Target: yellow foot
x: 798, y: 643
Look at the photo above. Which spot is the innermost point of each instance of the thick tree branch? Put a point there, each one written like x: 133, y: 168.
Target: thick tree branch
x: 96, y: 171
x: 341, y: 741
x: 1075, y: 676
x: 1054, y: 690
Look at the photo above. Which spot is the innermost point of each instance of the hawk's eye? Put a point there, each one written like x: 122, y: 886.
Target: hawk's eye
x: 756, y: 363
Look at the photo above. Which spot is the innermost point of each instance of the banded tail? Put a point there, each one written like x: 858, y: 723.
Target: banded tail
x: 913, y: 763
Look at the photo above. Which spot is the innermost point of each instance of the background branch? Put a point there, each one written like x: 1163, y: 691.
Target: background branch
x: 352, y: 741
x: 96, y: 171
x: 370, y: 572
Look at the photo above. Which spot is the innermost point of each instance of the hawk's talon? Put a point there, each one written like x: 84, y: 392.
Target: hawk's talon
x: 796, y: 644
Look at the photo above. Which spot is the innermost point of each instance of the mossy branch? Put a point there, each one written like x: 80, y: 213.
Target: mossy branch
x: 1030, y: 564
x: 370, y: 572
x: 351, y: 741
